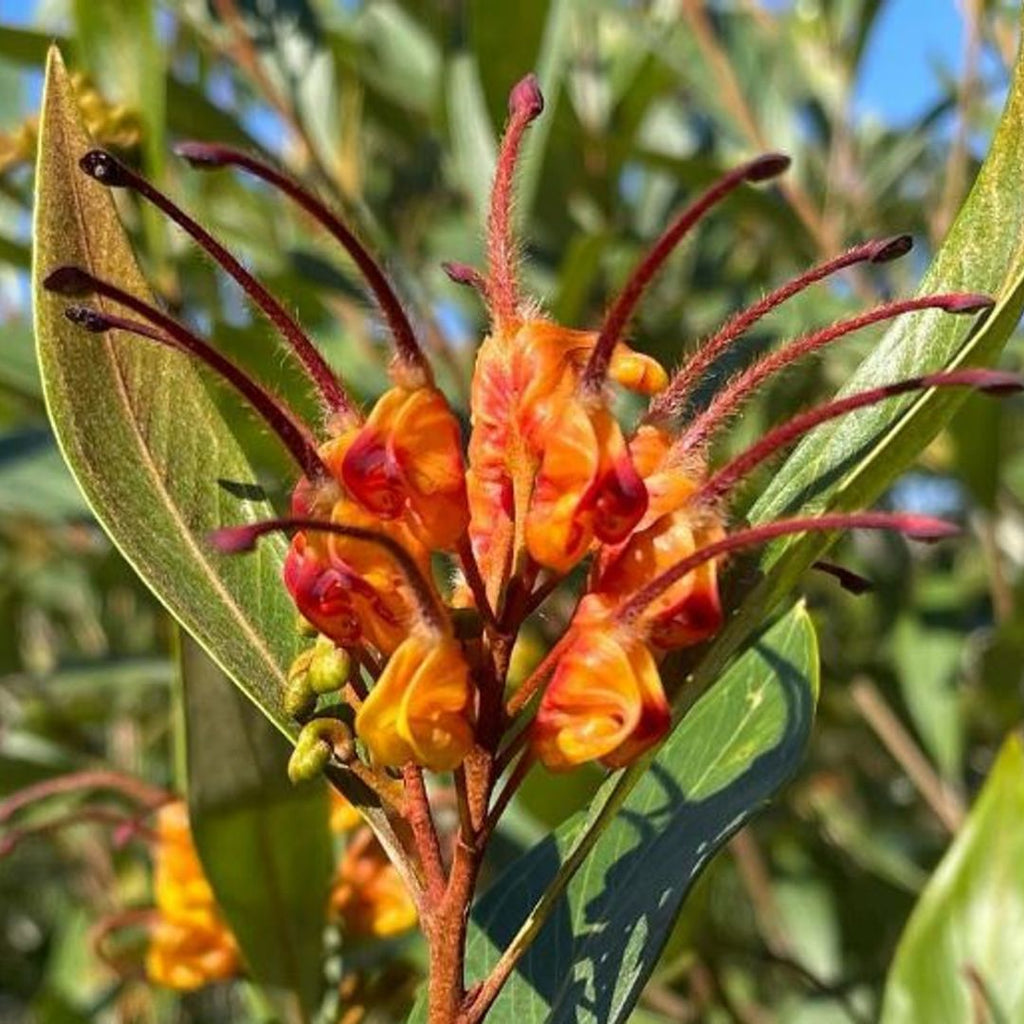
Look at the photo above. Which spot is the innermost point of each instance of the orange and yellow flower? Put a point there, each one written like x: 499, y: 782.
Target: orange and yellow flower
x: 406, y: 463
x: 422, y: 708
x: 190, y: 945
x: 605, y: 701
x: 369, y: 897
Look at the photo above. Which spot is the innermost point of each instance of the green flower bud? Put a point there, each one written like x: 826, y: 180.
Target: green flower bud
x: 318, y: 742
x: 329, y: 668
x: 299, y: 697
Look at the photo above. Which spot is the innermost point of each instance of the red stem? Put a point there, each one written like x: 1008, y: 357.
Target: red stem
x: 109, y: 171
x: 428, y: 847
x: 672, y: 400
x: 203, y: 156
x: 738, y: 390
x: 761, y: 169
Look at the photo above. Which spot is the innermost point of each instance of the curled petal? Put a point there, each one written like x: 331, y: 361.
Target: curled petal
x: 421, y: 709
x: 587, y: 488
x: 635, y: 371
x: 350, y: 590
x: 407, y: 461
x: 690, y: 611
x: 604, y: 702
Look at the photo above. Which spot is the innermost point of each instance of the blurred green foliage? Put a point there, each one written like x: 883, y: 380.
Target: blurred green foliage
x: 391, y: 108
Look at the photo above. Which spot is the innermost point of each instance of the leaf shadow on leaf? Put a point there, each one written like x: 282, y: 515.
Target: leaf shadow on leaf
x: 242, y: 490
x: 623, y: 928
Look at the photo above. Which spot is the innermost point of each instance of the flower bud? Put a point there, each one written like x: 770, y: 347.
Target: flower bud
x: 329, y: 667
x: 299, y: 698
x: 317, y: 743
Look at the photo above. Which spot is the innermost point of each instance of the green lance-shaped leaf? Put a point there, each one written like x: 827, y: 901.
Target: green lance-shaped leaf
x: 157, y: 463
x: 154, y: 458
x: 264, y: 844
x: 960, y: 955
x: 631, y: 860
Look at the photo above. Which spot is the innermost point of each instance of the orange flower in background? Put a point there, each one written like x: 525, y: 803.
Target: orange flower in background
x: 190, y: 945
x: 369, y: 897
x: 422, y: 708
x: 344, y: 816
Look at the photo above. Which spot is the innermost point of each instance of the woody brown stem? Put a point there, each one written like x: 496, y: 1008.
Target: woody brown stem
x: 421, y: 821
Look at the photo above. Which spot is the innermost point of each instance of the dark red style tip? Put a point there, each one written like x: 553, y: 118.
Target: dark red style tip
x: 70, y: 281
x: 89, y: 319
x: 766, y: 167
x: 526, y: 100
x: 106, y: 169
x: 887, y: 249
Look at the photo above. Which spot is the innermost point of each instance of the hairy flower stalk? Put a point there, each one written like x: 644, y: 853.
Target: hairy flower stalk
x: 417, y: 558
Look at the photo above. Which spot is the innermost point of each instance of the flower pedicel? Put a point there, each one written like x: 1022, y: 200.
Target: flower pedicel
x: 548, y: 480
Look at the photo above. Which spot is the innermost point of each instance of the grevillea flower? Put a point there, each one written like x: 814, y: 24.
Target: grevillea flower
x: 423, y: 562
x: 421, y: 709
x: 190, y: 945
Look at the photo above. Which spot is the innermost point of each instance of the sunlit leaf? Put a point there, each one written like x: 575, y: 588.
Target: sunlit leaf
x: 119, y: 406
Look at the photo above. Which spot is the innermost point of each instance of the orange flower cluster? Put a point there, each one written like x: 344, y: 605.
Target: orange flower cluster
x: 424, y: 564
x: 190, y: 945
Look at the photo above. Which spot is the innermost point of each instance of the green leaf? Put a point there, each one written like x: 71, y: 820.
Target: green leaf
x: 157, y: 463
x: 959, y: 957
x: 265, y: 844
x: 649, y: 833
